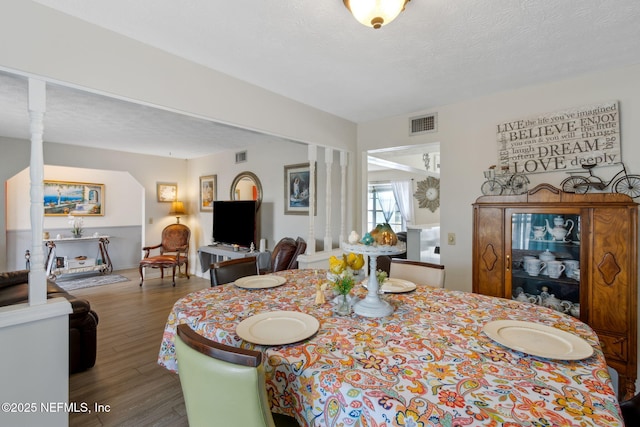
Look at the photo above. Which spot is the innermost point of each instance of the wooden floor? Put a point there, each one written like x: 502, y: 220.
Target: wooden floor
x: 126, y: 377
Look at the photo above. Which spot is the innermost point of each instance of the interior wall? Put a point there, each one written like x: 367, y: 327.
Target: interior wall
x: 467, y: 136
x: 122, y: 219
x: 35, y: 362
x: 15, y: 157
x: 267, y: 162
x: 147, y: 171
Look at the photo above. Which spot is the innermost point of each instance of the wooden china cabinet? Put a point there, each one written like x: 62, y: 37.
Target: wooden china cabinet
x: 598, y: 230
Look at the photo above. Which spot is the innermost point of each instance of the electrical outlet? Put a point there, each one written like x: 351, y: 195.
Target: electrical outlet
x: 150, y: 220
x: 451, y: 238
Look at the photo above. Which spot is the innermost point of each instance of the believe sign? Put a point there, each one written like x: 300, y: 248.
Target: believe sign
x: 561, y: 141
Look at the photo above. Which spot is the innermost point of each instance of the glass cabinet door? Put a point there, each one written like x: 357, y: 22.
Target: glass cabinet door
x: 545, y: 254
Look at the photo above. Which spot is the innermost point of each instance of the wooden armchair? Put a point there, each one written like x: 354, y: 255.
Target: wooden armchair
x: 174, y: 252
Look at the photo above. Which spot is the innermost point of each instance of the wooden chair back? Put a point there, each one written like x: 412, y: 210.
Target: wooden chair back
x: 175, y: 238
x: 223, y: 272
x: 222, y: 385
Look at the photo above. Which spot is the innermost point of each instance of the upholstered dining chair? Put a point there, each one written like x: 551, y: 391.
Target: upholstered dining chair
x: 223, y: 385
x: 631, y: 411
x: 174, y: 252
x: 227, y: 271
x: 420, y: 273
x: 285, y: 254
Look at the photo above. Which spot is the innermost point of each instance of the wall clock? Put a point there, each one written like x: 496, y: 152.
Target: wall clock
x: 428, y: 193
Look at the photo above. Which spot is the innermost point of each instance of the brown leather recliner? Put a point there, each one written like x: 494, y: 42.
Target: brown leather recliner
x: 83, y: 321
x: 285, y: 254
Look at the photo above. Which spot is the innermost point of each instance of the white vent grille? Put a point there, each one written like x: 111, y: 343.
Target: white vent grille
x: 423, y: 124
x: 241, y: 157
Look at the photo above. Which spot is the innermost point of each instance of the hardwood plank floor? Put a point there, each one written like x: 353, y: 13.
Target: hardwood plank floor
x: 126, y: 377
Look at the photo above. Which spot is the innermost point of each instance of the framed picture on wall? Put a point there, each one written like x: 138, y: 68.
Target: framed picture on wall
x: 208, y: 192
x: 63, y: 198
x: 61, y: 261
x: 167, y: 191
x: 296, y: 189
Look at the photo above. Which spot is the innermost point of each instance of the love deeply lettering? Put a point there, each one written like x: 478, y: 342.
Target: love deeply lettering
x: 561, y: 156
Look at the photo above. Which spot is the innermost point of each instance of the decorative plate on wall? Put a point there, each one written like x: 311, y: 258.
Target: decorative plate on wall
x: 428, y: 193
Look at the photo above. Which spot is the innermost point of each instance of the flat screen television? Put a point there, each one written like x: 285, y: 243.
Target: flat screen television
x: 234, y: 222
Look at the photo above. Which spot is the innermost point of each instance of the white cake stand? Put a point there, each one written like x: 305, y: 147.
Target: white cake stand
x: 372, y: 305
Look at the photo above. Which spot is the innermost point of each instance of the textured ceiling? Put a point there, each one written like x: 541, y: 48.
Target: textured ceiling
x: 436, y: 52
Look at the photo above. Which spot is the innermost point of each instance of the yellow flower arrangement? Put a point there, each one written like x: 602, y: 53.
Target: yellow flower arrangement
x: 348, y: 261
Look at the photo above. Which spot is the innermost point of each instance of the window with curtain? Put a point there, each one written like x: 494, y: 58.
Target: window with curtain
x: 382, y: 207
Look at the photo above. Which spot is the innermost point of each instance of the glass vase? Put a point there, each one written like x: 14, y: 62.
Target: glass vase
x: 344, y: 308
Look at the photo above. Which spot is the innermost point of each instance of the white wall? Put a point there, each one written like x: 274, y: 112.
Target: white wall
x: 122, y: 205
x: 35, y: 362
x: 467, y: 136
x: 267, y: 162
x: 123, y: 220
x: 15, y: 157
x: 146, y: 170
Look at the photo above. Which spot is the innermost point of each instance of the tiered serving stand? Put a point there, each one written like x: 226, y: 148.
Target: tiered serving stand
x: 372, y: 305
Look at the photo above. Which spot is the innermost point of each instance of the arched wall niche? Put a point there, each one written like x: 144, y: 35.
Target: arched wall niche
x: 123, y: 217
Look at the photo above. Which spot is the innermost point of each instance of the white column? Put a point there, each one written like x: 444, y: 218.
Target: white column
x: 344, y: 162
x: 37, y: 274
x: 311, y: 240
x: 328, y: 161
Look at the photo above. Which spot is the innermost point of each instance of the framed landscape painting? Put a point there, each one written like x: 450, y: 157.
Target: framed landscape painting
x: 63, y: 198
x: 296, y: 189
x: 208, y: 192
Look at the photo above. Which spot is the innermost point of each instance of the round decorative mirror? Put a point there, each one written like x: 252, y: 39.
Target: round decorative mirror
x: 246, y: 186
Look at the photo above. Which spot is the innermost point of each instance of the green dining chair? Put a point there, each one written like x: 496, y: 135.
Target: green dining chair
x: 222, y: 385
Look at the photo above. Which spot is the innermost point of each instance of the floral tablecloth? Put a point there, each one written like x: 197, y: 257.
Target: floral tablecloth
x: 428, y: 364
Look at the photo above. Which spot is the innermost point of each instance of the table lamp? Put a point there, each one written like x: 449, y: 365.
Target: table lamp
x: 177, y: 209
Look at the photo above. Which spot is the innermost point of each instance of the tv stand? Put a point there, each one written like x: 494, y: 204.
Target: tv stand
x: 219, y: 252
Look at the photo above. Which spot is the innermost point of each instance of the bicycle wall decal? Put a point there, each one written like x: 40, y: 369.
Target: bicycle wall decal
x: 621, y: 182
x: 504, y: 182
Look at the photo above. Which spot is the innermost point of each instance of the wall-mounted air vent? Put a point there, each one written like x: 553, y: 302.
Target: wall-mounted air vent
x: 241, y: 157
x: 423, y: 124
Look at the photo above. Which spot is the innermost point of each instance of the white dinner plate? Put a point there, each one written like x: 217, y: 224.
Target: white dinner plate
x: 538, y: 340
x: 277, y: 327
x: 260, y: 281
x: 394, y: 286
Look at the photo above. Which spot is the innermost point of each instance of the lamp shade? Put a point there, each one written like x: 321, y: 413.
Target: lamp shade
x: 177, y: 208
x: 375, y: 13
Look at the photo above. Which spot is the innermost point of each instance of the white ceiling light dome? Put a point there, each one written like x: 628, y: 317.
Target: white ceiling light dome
x: 375, y: 13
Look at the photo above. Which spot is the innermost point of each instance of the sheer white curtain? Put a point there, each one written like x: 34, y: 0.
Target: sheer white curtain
x: 402, y: 193
x: 387, y: 204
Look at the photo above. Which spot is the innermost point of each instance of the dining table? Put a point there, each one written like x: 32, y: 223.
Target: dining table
x: 431, y: 362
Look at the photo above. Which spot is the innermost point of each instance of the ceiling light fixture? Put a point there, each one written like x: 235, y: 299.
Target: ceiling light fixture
x: 375, y: 13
